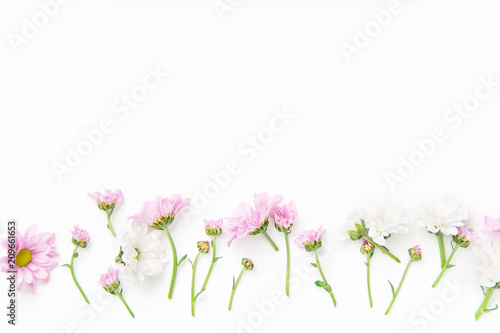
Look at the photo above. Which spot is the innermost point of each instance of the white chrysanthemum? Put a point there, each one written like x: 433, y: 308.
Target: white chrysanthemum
x: 341, y: 231
x: 383, y: 220
x: 489, y: 266
x: 445, y: 215
x: 144, y: 253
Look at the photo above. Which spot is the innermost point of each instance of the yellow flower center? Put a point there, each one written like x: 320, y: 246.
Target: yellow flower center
x: 23, y: 257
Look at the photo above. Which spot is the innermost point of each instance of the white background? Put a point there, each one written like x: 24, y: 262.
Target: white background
x: 352, y: 121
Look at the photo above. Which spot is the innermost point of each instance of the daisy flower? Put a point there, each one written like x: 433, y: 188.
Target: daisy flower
x: 34, y: 257
x: 110, y: 281
x: 489, y: 276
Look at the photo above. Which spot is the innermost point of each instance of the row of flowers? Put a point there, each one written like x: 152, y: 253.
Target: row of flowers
x: 143, y: 250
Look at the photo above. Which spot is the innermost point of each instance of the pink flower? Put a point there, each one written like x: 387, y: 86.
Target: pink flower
x: 34, y: 253
x: 264, y: 203
x: 160, y: 212
x: 283, y: 216
x: 110, y: 280
x: 213, y: 227
x: 311, y: 239
x: 108, y: 200
x: 465, y: 236
x: 80, y: 237
x: 492, y: 225
x: 246, y: 221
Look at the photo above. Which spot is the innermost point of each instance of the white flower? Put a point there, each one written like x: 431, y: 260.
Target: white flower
x: 144, y: 253
x: 443, y: 215
x: 489, y: 266
x: 383, y: 220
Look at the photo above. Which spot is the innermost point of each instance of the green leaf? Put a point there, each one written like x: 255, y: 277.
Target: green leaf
x: 216, y: 258
x: 192, y: 266
x: 320, y: 283
x: 392, y: 287
x: 182, y: 259
x: 66, y: 266
x: 484, y: 292
x: 75, y: 255
x: 450, y: 266
x: 314, y: 265
x: 328, y: 288
x: 492, y: 309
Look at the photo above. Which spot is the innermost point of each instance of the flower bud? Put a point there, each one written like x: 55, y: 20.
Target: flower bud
x: 415, y: 253
x: 367, y: 247
x: 203, y: 246
x: 247, y: 263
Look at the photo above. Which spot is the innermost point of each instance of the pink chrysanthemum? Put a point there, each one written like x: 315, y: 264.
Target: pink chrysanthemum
x: 283, y: 216
x: 34, y: 253
x: 161, y: 211
x: 245, y: 221
x: 265, y: 203
x: 110, y: 280
x: 213, y: 227
x: 108, y: 200
x: 80, y: 236
x: 311, y: 239
x: 465, y: 236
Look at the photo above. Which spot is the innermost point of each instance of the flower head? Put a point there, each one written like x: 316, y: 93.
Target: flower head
x: 381, y: 221
x: 110, y: 280
x: 367, y: 247
x: 492, y: 224
x: 108, y: 200
x: 311, y: 240
x: 247, y: 263
x: 444, y: 215
x: 246, y: 221
x: 488, y: 266
x: 465, y: 236
x: 265, y: 203
x: 160, y: 212
x: 415, y: 253
x: 213, y: 227
x: 34, y: 257
x: 283, y: 216
x: 203, y: 246
x: 143, y: 253
x: 80, y: 237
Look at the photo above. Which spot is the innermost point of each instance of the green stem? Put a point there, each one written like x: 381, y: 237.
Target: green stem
x: 484, y: 303
x: 211, y: 265
x: 263, y: 232
x: 192, y: 283
x: 287, y: 281
x: 442, y: 250
x: 324, y: 278
x: 110, y: 226
x: 72, y: 269
x: 126, y: 305
x: 382, y: 248
x: 399, y: 288
x: 368, y: 257
x: 234, y: 289
x: 175, y: 264
x: 446, y: 266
